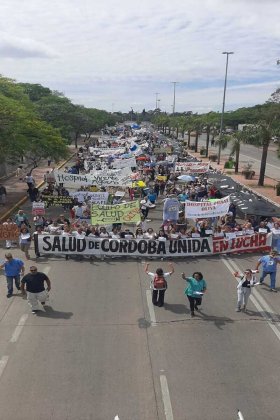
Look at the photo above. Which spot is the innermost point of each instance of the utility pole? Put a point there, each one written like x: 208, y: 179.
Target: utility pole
x: 156, y: 99
x: 223, y: 108
x: 174, y: 96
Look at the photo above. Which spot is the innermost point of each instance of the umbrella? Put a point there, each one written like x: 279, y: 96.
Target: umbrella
x: 186, y: 178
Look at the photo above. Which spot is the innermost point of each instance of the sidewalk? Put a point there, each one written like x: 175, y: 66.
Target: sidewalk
x: 17, y: 190
x: 267, y: 191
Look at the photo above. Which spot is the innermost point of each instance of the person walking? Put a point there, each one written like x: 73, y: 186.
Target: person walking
x: 196, y: 288
x: 3, y: 195
x: 13, y: 268
x: 158, y: 283
x: 25, y: 241
x: 269, y: 266
x: 244, y: 287
x: 33, y: 284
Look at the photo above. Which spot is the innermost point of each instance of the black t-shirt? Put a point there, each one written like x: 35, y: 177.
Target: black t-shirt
x: 34, y: 282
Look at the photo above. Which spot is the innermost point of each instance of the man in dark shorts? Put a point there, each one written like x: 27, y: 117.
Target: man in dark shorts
x: 33, y: 284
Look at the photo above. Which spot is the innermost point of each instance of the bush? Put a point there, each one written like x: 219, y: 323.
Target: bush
x: 229, y: 164
x: 278, y: 189
x: 202, y: 151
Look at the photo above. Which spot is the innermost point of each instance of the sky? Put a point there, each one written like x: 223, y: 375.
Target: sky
x: 117, y: 54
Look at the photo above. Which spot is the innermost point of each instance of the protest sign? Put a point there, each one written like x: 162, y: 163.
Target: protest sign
x: 190, y: 247
x: 56, y: 200
x: 112, y: 178
x: 124, y: 163
x: 161, y: 178
x: 94, y: 197
x: 205, y: 209
x: 171, y: 209
x: 38, y: 207
x: 9, y: 231
x: 118, y: 213
x: 106, y: 150
x: 192, y: 167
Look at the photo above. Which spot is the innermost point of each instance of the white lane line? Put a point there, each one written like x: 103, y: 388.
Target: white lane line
x: 262, y: 309
x: 166, y: 398
x: 19, y: 328
x: 3, y: 364
x: 151, y: 308
x: 258, y: 160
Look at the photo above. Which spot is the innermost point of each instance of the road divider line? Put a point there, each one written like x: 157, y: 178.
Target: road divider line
x: 19, y: 328
x: 151, y: 308
x: 166, y: 398
x: 3, y: 364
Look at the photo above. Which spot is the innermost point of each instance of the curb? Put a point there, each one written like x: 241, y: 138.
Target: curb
x: 24, y: 199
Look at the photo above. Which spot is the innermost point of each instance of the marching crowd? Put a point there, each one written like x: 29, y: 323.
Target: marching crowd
x: 154, y: 182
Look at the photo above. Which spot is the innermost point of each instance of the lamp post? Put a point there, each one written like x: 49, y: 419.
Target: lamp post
x: 223, y: 109
x: 156, y: 99
x: 174, y: 97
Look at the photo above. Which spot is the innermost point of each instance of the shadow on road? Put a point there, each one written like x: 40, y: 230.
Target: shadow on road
x: 175, y: 308
x: 51, y: 313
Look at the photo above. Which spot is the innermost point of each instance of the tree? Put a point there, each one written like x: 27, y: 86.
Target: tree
x: 210, y: 122
x: 35, y: 91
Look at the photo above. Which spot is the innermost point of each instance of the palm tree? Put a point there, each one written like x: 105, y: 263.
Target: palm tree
x: 236, y: 139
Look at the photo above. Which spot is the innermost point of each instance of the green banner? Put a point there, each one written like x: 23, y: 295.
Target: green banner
x: 118, y: 213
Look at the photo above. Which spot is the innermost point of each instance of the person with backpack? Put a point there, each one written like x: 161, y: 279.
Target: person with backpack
x: 244, y: 287
x: 158, y: 283
x: 196, y: 288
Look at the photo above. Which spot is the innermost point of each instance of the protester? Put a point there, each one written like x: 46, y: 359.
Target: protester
x: 30, y: 181
x: 269, y: 266
x: 158, y: 283
x: 13, y: 267
x: 33, y: 284
x: 21, y: 219
x: 3, y: 195
x: 25, y: 241
x: 195, y: 289
x: 244, y: 287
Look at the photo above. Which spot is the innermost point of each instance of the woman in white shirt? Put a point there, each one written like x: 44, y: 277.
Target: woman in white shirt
x: 150, y: 234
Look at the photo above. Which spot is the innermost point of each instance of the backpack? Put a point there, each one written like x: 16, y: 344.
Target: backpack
x: 159, y: 282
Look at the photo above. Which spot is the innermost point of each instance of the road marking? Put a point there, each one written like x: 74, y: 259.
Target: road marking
x: 259, y: 302
x: 151, y: 308
x: 258, y: 160
x: 166, y: 398
x: 3, y: 364
x: 19, y: 328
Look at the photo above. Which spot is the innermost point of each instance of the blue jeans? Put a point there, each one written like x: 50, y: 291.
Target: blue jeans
x: 272, y: 278
x: 10, y: 283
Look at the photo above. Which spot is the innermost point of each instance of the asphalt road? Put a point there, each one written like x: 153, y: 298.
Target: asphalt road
x: 100, y: 349
x: 252, y: 155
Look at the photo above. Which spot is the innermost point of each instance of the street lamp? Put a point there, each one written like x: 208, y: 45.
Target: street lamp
x: 174, y: 96
x: 156, y: 99
x: 223, y: 109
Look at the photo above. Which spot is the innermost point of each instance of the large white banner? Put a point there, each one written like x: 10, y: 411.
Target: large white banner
x: 94, y: 197
x: 51, y: 244
x: 192, y: 167
x: 124, y: 163
x: 109, y: 178
x: 106, y: 150
x: 205, y: 209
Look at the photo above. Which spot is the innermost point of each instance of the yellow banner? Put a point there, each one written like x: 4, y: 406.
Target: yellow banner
x: 161, y: 178
x: 103, y: 214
